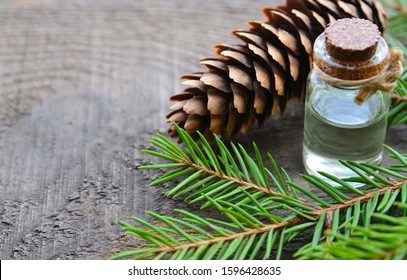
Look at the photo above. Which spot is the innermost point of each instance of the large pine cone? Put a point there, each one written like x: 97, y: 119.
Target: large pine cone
x: 254, y: 80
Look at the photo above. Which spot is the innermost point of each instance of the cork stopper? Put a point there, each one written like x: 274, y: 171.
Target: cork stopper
x: 352, y: 40
x: 351, y: 49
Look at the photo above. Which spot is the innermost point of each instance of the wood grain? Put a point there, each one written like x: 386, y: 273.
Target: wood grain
x: 83, y: 86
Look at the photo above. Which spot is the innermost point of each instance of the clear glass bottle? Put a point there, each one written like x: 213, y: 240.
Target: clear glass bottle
x: 335, y: 126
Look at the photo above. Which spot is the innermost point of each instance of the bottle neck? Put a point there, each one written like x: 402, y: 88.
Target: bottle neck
x: 380, y: 73
x: 355, y: 73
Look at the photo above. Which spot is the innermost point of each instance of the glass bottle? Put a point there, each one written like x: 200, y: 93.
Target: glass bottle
x: 347, y: 56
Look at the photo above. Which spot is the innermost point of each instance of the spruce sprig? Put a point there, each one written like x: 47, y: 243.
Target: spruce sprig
x: 260, y: 209
x: 397, y: 37
x: 387, y: 240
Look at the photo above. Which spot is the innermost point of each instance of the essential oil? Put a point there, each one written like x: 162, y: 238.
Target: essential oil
x: 337, y: 126
x: 340, y: 129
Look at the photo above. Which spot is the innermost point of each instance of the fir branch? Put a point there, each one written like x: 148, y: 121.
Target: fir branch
x: 380, y: 241
x: 232, y: 179
x: 397, y: 37
x: 396, y: 186
x: 236, y: 236
x: 398, y: 112
x: 248, y: 206
x: 399, y: 99
x: 202, y: 173
x: 397, y: 18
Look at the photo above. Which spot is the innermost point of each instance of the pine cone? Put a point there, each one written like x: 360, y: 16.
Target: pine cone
x: 255, y: 80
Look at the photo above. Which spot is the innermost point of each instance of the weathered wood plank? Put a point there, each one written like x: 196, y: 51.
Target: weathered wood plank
x: 82, y: 84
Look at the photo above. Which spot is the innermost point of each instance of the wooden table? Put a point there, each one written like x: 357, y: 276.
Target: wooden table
x: 83, y: 86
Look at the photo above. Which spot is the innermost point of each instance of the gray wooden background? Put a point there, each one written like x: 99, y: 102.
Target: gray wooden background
x: 83, y: 86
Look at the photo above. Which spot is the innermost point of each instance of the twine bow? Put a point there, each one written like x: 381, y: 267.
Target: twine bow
x: 386, y: 80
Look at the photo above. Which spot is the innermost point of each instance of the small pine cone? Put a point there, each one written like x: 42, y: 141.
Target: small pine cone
x: 254, y: 80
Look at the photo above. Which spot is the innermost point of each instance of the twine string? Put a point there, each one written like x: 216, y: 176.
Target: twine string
x: 384, y: 81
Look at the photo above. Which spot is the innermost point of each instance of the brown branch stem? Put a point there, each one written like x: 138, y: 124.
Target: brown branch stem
x: 400, y: 9
x: 248, y: 184
x: 232, y: 179
x: 350, y: 203
x: 265, y: 229
x: 398, y: 99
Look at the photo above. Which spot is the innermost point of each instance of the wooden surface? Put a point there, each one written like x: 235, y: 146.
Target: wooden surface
x: 83, y: 85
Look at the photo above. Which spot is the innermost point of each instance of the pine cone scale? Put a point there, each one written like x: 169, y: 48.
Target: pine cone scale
x: 240, y: 98
x: 217, y: 102
x: 240, y: 76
